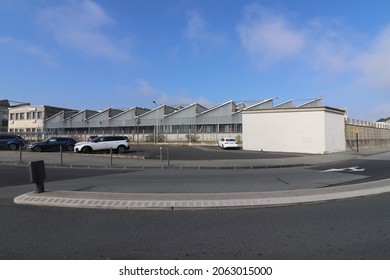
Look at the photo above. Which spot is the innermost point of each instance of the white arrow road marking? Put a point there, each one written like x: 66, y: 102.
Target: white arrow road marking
x: 351, y: 169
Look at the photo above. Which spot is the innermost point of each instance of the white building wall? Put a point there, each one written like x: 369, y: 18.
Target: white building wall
x: 297, y: 130
x: 335, y: 133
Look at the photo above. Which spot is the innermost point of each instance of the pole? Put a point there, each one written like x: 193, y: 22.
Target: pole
x: 20, y: 153
x: 160, y: 153
x: 157, y: 127
x: 38, y: 175
x: 110, y: 156
x: 357, y: 142
x: 137, y: 139
x: 62, y: 161
x: 138, y: 123
x: 156, y: 130
x: 168, y: 156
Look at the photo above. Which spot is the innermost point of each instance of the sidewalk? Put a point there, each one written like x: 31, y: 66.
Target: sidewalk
x: 175, y: 201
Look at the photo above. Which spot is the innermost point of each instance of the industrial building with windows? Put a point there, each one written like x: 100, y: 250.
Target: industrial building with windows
x: 308, y: 127
x: 164, y: 123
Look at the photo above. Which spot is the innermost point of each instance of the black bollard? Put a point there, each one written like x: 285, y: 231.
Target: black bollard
x: 38, y: 175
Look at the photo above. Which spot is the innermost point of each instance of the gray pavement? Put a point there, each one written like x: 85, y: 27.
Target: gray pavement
x: 108, y: 196
x: 130, y: 161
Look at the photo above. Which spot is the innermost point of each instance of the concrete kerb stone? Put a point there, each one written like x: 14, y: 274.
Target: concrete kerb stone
x: 162, y: 166
x: 153, y: 201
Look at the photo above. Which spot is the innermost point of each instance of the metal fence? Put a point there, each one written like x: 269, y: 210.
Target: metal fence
x: 143, y: 136
x: 362, y: 134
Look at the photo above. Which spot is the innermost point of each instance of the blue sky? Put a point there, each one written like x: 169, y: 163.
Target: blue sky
x: 115, y: 53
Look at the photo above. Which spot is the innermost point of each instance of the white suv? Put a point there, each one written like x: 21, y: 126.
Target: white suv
x: 118, y: 143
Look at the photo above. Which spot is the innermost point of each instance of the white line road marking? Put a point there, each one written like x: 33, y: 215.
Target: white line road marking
x: 351, y: 169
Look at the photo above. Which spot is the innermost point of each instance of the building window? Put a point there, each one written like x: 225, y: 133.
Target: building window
x: 34, y: 115
x: 211, y: 128
x: 11, y: 117
x: 40, y: 115
x: 223, y: 128
x: 22, y: 116
x: 28, y: 116
x: 17, y: 116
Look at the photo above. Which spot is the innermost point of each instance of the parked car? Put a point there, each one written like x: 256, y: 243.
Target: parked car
x: 117, y: 143
x: 226, y: 143
x: 52, y: 144
x: 90, y: 138
x: 11, y: 141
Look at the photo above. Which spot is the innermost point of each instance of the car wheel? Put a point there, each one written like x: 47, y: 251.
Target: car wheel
x: 86, y: 150
x: 12, y: 146
x: 121, y: 149
x: 69, y: 148
x: 37, y: 149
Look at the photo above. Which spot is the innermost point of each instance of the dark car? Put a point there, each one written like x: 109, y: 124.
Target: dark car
x: 11, y: 141
x: 52, y: 144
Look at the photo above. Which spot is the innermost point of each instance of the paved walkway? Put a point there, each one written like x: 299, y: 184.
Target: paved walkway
x: 174, y: 201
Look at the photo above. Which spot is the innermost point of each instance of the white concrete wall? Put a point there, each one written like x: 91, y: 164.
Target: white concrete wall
x: 299, y: 130
x: 334, y: 132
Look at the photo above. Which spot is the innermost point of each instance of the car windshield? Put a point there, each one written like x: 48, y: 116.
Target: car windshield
x: 230, y: 140
x: 97, y: 139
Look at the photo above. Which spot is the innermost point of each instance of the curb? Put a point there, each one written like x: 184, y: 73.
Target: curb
x: 153, y: 201
x: 156, y: 166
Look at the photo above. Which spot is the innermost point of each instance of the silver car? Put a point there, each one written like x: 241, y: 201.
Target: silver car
x: 117, y: 143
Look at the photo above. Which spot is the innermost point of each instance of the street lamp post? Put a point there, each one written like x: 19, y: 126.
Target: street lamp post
x: 157, y: 120
x: 138, y: 123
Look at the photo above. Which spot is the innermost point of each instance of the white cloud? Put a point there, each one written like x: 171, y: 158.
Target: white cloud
x: 81, y: 26
x: 373, y: 64
x: 364, y: 64
x: 144, y: 93
x: 28, y: 48
x: 142, y: 89
x: 199, y: 34
x: 268, y: 37
x: 196, y: 26
x: 327, y: 47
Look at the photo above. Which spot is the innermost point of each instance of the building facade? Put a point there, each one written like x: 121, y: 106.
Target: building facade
x: 306, y: 129
x: 193, y: 122
x: 30, y: 119
x: 165, y: 123
x: 4, y: 105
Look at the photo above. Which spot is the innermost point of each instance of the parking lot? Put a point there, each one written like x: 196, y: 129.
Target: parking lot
x: 176, y: 152
x: 202, y: 153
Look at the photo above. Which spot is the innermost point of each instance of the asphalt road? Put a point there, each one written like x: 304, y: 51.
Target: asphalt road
x: 14, y: 175
x: 185, y: 152
x: 350, y: 229
x: 204, y: 153
x: 376, y: 167
x: 353, y: 229
x: 371, y: 168
x: 176, y: 180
